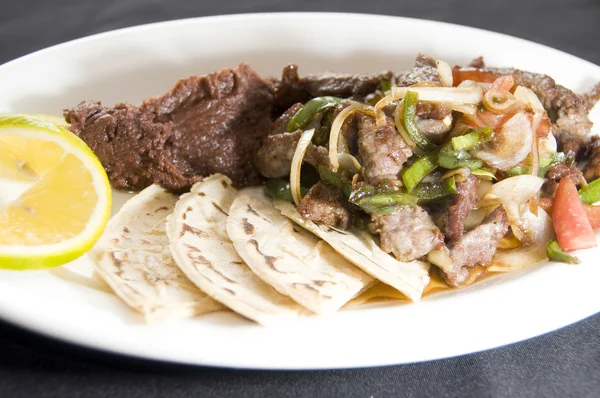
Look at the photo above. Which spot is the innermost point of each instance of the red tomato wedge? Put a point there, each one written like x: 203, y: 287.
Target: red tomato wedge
x: 571, y: 224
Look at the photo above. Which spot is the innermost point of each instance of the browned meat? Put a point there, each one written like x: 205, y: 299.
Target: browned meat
x: 557, y: 172
x: 327, y: 205
x: 477, y: 63
x: 592, y: 168
x: 476, y: 247
x: 292, y: 88
x: 464, y: 202
x: 591, y: 97
x: 425, y: 70
x: 567, y: 110
x: 274, y: 158
x: 204, y: 125
x: 430, y: 119
x: 280, y: 124
x: 382, y: 150
x: 573, y: 147
x: 409, y: 232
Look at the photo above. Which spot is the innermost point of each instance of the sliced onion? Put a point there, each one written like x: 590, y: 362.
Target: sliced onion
x: 441, y: 258
x: 460, y: 174
x: 303, y: 143
x: 462, y: 108
x: 497, y: 102
x: 526, y: 255
x: 349, y: 163
x: 528, y: 98
x: 514, y: 193
x: 474, y: 218
x: 457, y: 95
x: 336, y: 128
x: 445, y: 73
x: 400, y: 127
x: 535, y: 155
x: 510, y: 145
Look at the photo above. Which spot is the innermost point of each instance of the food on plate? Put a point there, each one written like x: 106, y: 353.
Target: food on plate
x: 204, y: 125
x: 295, y: 262
x: 352, y: 187
x: 55, y: 197
x: 360, y: 248
x: 203, y: 251
x: 133, y: 258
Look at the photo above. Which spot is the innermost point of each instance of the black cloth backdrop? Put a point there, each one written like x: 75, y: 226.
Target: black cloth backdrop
x: 563, y: 363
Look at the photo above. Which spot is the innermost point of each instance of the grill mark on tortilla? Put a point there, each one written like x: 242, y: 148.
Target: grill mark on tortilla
x: 196, y: 256
x: 229, y: 291
x: 251, y: 210
x: 270, y: 260
x: 163, y: 208
x: 248, y: 228
x: 224, y: 183
x: 193, y: 230
x: 237, y: 262
x: 126, y: 230
x: 218, y: 208
x: 115, y: 240
x: 310, y: 287
x: 201, y: 194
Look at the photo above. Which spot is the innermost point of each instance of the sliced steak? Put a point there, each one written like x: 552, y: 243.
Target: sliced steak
x: 463, y: 204
x: 204, y: 125
x: 409, y: 232
x: 292, y: 88
x: 382, y: 150
x: 325, y: 204
x: 557, y: 172
x: 591, y: 97
x: 573, y: 147
x: 476, y: 247
x: 425, y: 70
x: 591, y: 170
x: 434, y: 120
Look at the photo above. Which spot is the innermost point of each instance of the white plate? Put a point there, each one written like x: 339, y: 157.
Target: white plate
x: 131, y: 64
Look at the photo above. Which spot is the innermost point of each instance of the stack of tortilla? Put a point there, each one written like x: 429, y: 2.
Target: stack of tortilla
x: 216, y: 248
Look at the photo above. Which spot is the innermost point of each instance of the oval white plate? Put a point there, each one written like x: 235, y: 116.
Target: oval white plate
x: 131, y: 64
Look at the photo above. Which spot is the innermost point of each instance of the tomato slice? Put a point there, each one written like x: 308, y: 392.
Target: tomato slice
x: 570, y: 221
x: 459, y: 75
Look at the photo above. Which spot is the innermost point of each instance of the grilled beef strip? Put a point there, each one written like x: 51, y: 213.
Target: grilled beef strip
x: 409, y: 232
x: 206, y: 124
x: 476, y: 247
x: 382, y: 150
x: 463, y: 203
x: 292, y: 88
x: 327, y: 205
x: 557, y: 172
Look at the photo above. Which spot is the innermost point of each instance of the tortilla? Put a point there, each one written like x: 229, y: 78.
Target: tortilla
x: 201, y: 248
x: 133, y: 258
x: 362, y: 250
x: 293, y: 261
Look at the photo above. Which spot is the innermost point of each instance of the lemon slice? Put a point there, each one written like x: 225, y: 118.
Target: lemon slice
x: 55, y: 197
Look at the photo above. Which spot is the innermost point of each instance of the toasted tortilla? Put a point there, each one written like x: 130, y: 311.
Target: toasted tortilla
x: 360, y: 248
x: 133, y: 258
x: 296, y: 263
x: 202, y: 249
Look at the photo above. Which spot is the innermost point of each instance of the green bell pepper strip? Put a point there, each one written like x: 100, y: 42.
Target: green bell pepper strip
x: 418, y: 170
x: 334, y: 179
x: 519, y: 170
x: 309, y: 110
x: 280, y: 189
x: 433, y: 191
x: 591, y: 194
x: 472, y: 139
x: 556, y: 253
x: 484, y: 173
x: 409, y: 112
x: 450, y: 158
x: 384, y: 203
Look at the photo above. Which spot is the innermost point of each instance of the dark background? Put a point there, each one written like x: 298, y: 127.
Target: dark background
x: 562, y: 363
